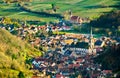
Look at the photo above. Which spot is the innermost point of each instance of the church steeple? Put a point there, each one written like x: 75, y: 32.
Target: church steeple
x: 91, y: 43
x: 91, y: 33
x: 91, y: 39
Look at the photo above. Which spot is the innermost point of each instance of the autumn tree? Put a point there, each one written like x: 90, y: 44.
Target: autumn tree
x: 7, y: 1
x: 6, y: 20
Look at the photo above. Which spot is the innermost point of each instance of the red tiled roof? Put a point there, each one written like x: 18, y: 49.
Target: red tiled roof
x: 60, y: 76
x: 36, y: 77
x: 76, y: 65
x: 74, y: 17
x: 95, y: 75
x: 107, y: 71
x: 79, y: 60
x: 41, y: 27
x: 73, y: 65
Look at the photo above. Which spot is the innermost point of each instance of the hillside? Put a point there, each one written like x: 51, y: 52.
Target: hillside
x: 84, y: 8
x: 107, y: 20
x: 13, y: 54
x: 110, y: 59
x: 110, y: 23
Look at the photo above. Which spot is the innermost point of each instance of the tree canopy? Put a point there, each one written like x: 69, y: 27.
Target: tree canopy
x: 109, y: 20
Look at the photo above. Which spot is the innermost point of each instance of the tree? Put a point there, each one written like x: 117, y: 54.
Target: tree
x: 6, y: 21
x: 14, y: 56
x: 79, y: 76
x: 7, y: 1
x: 42, y: 36
x: 53, y: 7
x: 21, y: 75
x: 50, y: 33
x: 16, y: 24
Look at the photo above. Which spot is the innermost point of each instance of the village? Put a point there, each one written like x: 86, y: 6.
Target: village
x: 66, y: 55
x: 71, y: 56
x: 59, y: 38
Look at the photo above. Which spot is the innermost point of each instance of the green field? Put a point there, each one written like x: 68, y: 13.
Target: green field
x: 13, y: 11
x: 82, y: 8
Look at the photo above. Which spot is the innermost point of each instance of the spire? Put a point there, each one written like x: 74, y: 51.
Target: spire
x: 91, y: 42
x: 91, y: 35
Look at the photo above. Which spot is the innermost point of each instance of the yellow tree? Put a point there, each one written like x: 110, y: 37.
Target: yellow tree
x: 6, y: 21
x: 79, y: 76
x: 8, y: 1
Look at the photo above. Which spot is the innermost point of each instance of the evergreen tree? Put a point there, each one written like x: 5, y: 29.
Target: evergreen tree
x: 21, y: 75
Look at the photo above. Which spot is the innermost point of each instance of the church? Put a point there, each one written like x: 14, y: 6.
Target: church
x: 91, y: 50
x: 83, y: 46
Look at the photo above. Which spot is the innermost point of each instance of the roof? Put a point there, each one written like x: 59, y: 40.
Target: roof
x: 107, y: 71
x: 79, y: 60
x: 41, y: 27
x: 98, y: 42
x: 73, y: 65
x: 68, y: 52
x: 80, y: 45
x: 74, y: 17
x: 59, y: 76
x: 69, y: 41
x: 40, y: 59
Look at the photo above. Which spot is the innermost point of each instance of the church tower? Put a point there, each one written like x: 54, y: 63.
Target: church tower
x: 91, y: 43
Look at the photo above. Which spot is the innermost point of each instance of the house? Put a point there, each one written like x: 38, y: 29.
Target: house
x: 99, y: 43
x: 63, y: 23
x: 59, y: 76
x: 74, y: 65
x: 41, y: 27
x: 68, y: 53
x: 68, y: 41
x: 72, y: 35
x: 36, y: 76
x: 76, y: 19
x: 79, y: 60
x: 36, y: 42
x: 66, y: 28
x: 107, y: 72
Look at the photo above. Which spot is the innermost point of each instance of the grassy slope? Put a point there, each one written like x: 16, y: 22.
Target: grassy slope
x: 13, y: 53
x: 12, y: 11
x: 83, y: 8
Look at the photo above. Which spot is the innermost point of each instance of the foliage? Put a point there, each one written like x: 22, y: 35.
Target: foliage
x: 50, y: 33
x: 53, y: 7
x: 58, y: 33
x: 110, y: 20
x: 110, y: 58
x: 80, y: 45
x: 16, y: 24
x: 21, y: 75
x: 13, y: 55
x: 8, y: 22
